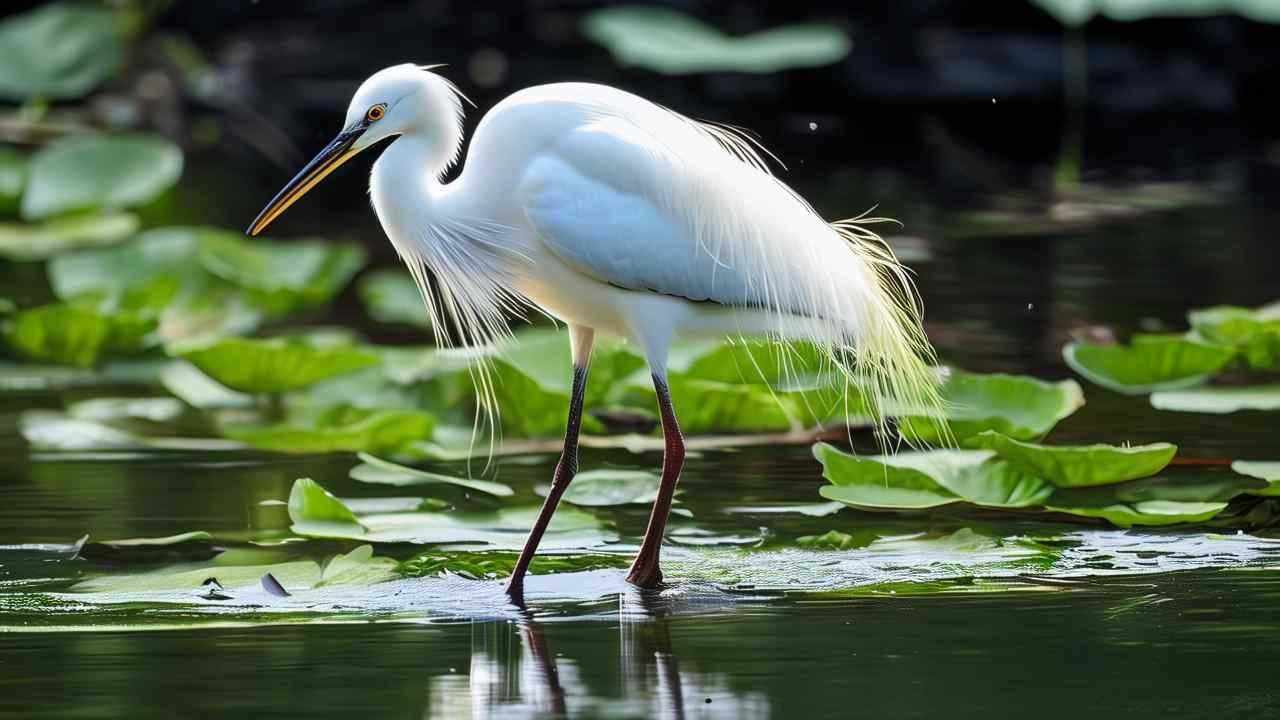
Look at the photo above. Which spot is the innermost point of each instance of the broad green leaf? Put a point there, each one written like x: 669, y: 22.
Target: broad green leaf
x: 168, y: 252
x: 1254, y: 333
x: 869, y: 483
x: 271, y: 366
x: 376, y: 470
x: 282, y: 277
x: 37, y: 241
x: 60, y: 51
x: 711, y: 406
x: 1184, y: 486
x: 1078, y: 465
x: 1219, y: 400
x: 189, y: 546
x: 1075, y: 13
x: 484, y: 565
x: 13, y: 177
x: 744, y: 362
x: 1161, y: 363
x: 836, y: 540
x: 314, y: 510
x: 199, y: 390
x: 1148, y: 512
x: 1020, y: 407
x: 186, y: 578
x: 1269, y: 471
x: 76, y: 335
x: 610, y: 487
x: 358, y: 567
x: 390, y: 296
x: 99, y: 172
x: 673, y: 43
x: 346, y: 430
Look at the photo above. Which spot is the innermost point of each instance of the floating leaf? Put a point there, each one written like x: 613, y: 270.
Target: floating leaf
x: 314, y: 510
x: 199, y: 390
x: 376, y: 470
x: 673, y: 43
x: 1020, y: 407
x: 282, y: 277
x: 1148, y: 512
x: 483, y: 565
x: 1269, y: 471
x: 809, y: 509
x: 1219, y: 400
x: 836, y: 540
x: 92, y: 172
x: 1079, y: 465
x: 390, y: 296
x: 38, y: 241
x: 295, y: 575
x: 60, y: 51
x: 13, y: 177
x: 77, y: 335
x: 343, y: 429
x: 868, y: 483
x: 271, y: 366
x: 358, y: 567
x: 610, y: 487
x: 1254, y: 333
x: 1155, y: 363
x: 189, y: 546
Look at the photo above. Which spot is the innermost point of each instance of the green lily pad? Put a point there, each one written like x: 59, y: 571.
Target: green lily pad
x: 1268, y: 471
x: 282, y: 277
x: 1148, y: 512
x: 611, y: 487
x: 38, y: 241
x: 60, y: 51
x: 358, y: 567
x: 707, y: 406
x: 13, y: 178
x: 1253, y: 332
x: 869, y: 483
x: 341, y: 429
x: 1079, y: 465
x: 376, y: 470
x: 1160, y: 363
x: 1020, y: 407
x: 314, y: 510
x: 673, y: 43
x: 185, y: 578
x: 488, y: 565
x: 271, y: 366
x: 99, y: 172
x: 1219, y: 400
x: 188, y: 546
x: 72, y: 334
x: 750, y: 362
x: 390, y: 296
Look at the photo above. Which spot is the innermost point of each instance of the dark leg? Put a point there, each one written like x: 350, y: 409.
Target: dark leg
x: 565, y: 470
x: 644, y: 571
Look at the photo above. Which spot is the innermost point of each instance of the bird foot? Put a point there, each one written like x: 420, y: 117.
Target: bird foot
x: 645, y: 574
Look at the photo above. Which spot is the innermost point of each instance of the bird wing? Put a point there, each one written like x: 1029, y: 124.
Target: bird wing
x: 596, y: 199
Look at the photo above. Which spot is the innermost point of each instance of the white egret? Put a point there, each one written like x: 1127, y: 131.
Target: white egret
x: 619, y: 216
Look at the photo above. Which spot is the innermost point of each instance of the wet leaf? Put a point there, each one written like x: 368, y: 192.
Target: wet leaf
x: 610, y: 487
x: 485, y: 565
x: 188, y: 578
x: 343, y: 429
x: 60, y: 51
x: 1148, y: 512
x: 1020, y: 407
x: 836, y: 540
x: 390, y: 296
x: 1148, y: 364
x: 1079, y: 465
x: 282, y: 277
x: 315, y: 511
x: 75, y: 334
x: 271, y: 366
x: 673, y: 43
x: 1218, y: 400
x: 189, y: 546
x: 99, y: 172
x: 37, y: 241
x: 358, y: 567
x: 1269, y: 471
x: 376, y: 470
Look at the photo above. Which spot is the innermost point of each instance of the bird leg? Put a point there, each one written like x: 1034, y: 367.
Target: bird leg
x: 565, y: 469
x: 644, y: 570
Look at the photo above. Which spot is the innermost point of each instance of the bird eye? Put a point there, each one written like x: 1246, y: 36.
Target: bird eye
x: 375, y: 113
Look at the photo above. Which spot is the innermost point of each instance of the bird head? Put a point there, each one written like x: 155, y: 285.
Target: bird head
x: 394, y: 101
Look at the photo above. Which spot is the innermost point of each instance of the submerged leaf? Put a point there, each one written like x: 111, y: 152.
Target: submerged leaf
x: 1154, y: 363
x: 1219, y: 400
x: 271, y: 366
x: 99, y: 172
x: 1020, y: 407
x: 1079, y: 465
x: 60, y: 51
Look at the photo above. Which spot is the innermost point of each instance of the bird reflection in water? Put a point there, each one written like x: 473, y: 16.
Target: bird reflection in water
x: 516, y: 672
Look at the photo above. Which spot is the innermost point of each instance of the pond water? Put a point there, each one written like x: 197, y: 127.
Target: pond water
x: 957, y: 612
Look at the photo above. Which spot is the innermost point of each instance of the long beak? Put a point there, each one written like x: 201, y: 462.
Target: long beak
x: 333, y: 155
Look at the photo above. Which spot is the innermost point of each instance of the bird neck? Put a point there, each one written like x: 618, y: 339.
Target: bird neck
x: 405, y: 179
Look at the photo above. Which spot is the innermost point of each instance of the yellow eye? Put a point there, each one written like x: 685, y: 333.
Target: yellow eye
x: 375, y: 113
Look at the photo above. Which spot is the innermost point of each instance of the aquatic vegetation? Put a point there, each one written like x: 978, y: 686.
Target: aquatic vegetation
x: 1021, y: 407
x: 1149, y: 363
x: 1082, y: 465
x: 98, y: 172
x: 271, y: 366
x: 62, y: 50
x: 390, y: 296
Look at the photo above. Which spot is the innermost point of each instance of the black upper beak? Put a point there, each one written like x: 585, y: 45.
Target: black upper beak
x: 334, y: 154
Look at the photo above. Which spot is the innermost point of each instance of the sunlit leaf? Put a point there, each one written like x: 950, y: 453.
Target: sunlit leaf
x: 485, y: 565
x: 376, y: 470
x: 1148, y: 512
x: 188, y: 578
x: 869, y: 483
x: 314, y: 510
x: 96, y: 172
x: 37, y: 241
x: 271, y: 366
x: 1020, y: 407
x: 1253, y: 332
x: 77, y: 335
x: 1219, y: 400
x: 1146, y: 365
x: 282, y: 277
x: 344, y: 429
x: 836, y: 540
x: 60, y: 51
x: 358, y: 567
x: 673, y: 43
x: 390, y: 296
x: 1079, y: 465
x: 1269, y: 471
